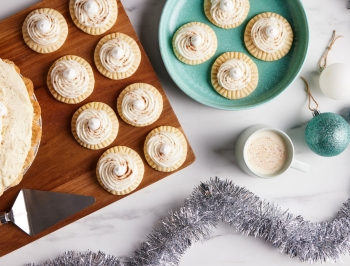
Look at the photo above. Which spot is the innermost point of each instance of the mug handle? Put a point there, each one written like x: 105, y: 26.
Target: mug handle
x: 300, y: 166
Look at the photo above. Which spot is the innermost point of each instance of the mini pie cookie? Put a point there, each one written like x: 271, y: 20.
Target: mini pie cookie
x: 140, y: 104
x: 95, y: 125
x: 268, y: 36
x: 226, y: 14
x: 165, y: 148
x: 120, y: 170
x: 234, y: 75
x: 117, y: 56
x: 18, y: 141
x: 194, y: 43
x: 71, y: 79
x: 94, y: 16
x: 45, y: 30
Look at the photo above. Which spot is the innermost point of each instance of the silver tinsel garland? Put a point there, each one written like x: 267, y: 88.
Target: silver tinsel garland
x: 216, y: 201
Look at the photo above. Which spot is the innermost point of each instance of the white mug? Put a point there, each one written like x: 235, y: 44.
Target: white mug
x: 245, y: 140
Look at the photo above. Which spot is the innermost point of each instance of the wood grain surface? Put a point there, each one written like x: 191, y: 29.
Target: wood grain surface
x: 62, y: 165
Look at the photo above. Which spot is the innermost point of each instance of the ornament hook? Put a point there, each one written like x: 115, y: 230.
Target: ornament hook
x: 314, y: 111
x: 322, y: 64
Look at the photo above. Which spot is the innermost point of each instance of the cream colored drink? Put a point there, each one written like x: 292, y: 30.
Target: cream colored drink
x: 266, y: 153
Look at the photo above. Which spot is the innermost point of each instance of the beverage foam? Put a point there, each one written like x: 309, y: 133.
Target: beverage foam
x: 266, y: 153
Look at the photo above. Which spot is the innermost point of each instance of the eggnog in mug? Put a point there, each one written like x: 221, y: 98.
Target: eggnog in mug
x: 266, y: 153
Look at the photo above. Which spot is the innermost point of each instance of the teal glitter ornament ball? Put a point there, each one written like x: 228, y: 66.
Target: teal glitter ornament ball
x: 327, y: 134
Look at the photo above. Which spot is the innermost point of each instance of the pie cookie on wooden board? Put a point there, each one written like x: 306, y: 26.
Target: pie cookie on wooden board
x: 94, y: 17
x: 71, y: 79
x: 120, y: 170
x: 45, y: 30
x: 268, y: 36
x: 20, y: 131
x: 140, y: 104
x: 194, y: 43
x: 234, y: 75
x: 226, y: 14
x: 95, y: 125
x: 117, y: 56
x: 165, y: 148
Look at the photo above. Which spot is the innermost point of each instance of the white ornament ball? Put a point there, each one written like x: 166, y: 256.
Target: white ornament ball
x: 335, y: 81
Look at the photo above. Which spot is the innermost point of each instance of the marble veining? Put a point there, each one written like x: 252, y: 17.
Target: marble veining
x: 118, y: 229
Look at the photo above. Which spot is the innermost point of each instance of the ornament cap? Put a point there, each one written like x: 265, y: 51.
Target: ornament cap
x: 316, y: 112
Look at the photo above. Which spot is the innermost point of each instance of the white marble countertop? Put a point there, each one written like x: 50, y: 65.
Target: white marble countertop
x: 120, y: 228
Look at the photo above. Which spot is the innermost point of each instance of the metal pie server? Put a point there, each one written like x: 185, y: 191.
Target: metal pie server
x: 34, y: 211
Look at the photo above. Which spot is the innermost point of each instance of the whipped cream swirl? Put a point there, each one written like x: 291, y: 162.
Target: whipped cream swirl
x: 227, y: 12
x: 90, y: 134
x: 140, y: 106
x: 92, y: 13
x: 43, y: 29
x: 269, y: 34
x: 117, y: 56
x: 165, y: 149
x: 234, y: 74
x: 117, y: 171
x: 194, y: 42
x: 69, y: 78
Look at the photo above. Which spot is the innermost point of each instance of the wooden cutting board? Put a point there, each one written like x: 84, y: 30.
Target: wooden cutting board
x: 62, y: 165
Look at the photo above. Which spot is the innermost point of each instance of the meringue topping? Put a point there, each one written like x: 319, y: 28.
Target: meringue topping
x: 94, y: 123
x: 43, y: 29
x: 70, y: 73
x: 226, y: 5
x: 269, y: 34
x: 227, y: 12
x: 117, y: 171
x: 117, y: 56
x: 91, y: 7
x: 89, y: 135
x: 69, y: 78
x: 43, y: 26
x: 194, y: 42
x: 165, y: 149
x: 93, y: 13
x: 140, y: 106
x: 234, y: 74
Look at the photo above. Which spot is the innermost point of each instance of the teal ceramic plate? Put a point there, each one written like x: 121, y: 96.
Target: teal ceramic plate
x: 274, y: 77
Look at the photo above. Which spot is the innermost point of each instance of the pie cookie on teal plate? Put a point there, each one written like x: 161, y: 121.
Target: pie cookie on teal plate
x: 234, y: 75
x: 194, y: 43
